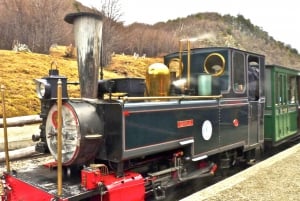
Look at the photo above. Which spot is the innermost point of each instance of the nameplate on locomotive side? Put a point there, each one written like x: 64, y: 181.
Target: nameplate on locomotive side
x: 185, y: 123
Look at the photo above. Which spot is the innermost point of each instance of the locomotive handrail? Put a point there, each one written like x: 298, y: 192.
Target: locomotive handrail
x: 59, y: 138
x: 182, y: 97
x: 2, y: 88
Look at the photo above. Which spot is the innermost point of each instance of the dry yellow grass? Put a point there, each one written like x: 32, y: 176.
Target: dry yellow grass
x: 19, y: 69
x: 130, y: 66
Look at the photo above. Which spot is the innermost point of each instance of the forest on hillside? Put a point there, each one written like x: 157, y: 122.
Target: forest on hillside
x: 39, y: 24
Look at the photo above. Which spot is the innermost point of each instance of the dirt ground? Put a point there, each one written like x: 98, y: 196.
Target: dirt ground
x: 276, y: 179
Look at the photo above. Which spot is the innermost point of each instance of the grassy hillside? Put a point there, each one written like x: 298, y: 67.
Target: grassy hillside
x: 19, y: 69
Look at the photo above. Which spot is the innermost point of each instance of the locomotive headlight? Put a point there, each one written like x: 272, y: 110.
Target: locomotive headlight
x: 42, y: 87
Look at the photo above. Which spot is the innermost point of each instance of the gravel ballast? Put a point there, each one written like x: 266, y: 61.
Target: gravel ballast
x: 274, y: 179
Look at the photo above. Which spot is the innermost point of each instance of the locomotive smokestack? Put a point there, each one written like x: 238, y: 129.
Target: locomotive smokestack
x: 88, y: 37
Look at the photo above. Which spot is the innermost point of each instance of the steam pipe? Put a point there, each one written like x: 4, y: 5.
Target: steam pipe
x: 180, y: 58
x: 188, y: 60
x: 179, y: 98
x: 189, y: 64
x: 88, y: 39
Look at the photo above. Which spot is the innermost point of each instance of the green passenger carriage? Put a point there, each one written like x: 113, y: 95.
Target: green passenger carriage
x: 282, y: 100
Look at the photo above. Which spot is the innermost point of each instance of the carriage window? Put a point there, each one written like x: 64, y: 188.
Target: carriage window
x: 279, y: 89
x: 238, y: 72
x: 292, y: 93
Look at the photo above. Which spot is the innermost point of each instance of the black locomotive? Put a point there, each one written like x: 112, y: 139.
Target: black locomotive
x: 202, y: 110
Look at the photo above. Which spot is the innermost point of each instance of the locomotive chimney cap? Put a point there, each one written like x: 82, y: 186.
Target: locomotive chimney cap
x: 69, y: 18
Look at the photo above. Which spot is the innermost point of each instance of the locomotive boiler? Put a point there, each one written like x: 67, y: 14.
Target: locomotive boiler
x: 199, y: 111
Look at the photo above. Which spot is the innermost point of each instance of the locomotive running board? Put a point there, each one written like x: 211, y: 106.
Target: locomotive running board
x: 186, y: 142
x: 199, y: 158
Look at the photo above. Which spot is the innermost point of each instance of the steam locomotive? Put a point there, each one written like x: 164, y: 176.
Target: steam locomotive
x: 201, y: 111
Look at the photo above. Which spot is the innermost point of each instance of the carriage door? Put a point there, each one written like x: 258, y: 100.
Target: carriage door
x: 281, y: 105
x: 255, y: 114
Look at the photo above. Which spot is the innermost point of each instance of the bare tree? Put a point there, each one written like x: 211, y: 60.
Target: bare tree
x: 111, y: 33
x: 38, y: 23
x: 48, y: 25
x: 146, y: 39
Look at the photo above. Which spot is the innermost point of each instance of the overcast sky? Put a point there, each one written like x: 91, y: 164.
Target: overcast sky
x: 279, y: 18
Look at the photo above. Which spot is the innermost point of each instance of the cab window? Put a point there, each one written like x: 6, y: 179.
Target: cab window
x: 238, y: 72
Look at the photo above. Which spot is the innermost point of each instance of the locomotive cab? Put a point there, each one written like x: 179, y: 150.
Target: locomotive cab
x: 236, y: 75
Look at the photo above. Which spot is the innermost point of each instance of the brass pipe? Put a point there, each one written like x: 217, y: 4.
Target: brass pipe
x: 59, y: 138
x: 180, y: 58
x: 188, y: 64
x: 5, y: 130
x: 188, y: 60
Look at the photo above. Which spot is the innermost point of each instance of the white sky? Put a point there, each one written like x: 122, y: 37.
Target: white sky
x: 279, y: 18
